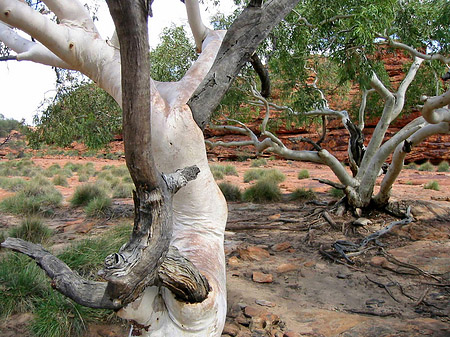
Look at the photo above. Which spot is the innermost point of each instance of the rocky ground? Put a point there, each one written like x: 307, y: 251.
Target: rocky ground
x: 284, y: 276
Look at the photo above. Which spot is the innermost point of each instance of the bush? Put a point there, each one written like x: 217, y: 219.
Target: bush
x: 82, y: 178
x: 60, y: 180
x: 231, y: 192
x: 123, y: 190
x: 32, y: 229
x: 258, y: 162
x: 411, y: 166
x: 443, y: 166
x: 428, y: 167
x: 34, y: 198
x: 262, y: 191
x: 120, y: 171
x: 273, y: 175
x: 12, y: 184
x: 303, y: 194
x: 432, y: 185
x: 303, y: 174
x: 84, y: 194
x: 337, y: 192
x: 219, y: 171
x: 98, y: 206
x: 74, y: 167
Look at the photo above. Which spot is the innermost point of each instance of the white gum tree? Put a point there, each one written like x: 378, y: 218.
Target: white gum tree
x: 169, y: 279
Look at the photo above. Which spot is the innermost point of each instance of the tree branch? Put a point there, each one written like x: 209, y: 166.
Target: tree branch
x: 248, y: 30
x: 263, y: 74
x: 67, y: 282
x: 434, y: 110
x: 199, y: 30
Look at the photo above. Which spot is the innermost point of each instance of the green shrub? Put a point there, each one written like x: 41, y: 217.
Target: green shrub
x: 74, y: 167
x: 219, y: 171
x: 427, y: 166
x: 127, y: 179
x: 443, y: 166
x: 432, y: 185
x: 52, y: 170
x: 120, y: 171
x: 258, y: 162
x: 60, y: 180
x: 32, y: 229
x: 98, y: 206
x: 273, y: 175
x: 262, y: 191
x: 82, y: 178
x: 123, y: 190
x: 411, y: 166
x: 34, y: 198
x: 84, y: 194
x: 231, y: 192
x: 337, y: 192
x: 12, y: 184
x: 303, y: 194
x: 303, y: 174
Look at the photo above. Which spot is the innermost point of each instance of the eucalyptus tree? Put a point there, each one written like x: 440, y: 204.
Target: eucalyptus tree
x: 353, y: 35
x: 169, y: 279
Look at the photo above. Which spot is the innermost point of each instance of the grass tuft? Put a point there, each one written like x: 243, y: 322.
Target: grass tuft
x: 427, y: 167
x: 262, y: 191
x: 303, y: 194
x: 303, y: 174
x: 337, y: 192
x: 231, y: 192
x: 86, y: 193
x: 98, y: 206
x: 274, y: 175
x: 443, y: 166
x: 32, y: 229
x: 123, y: 190
x: 219, y: 171
x: 258, y: 162
x: 60, y: 180
x: 411, y: 166
x: 432, y: 185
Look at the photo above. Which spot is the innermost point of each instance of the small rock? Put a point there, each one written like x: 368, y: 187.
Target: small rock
x: 379, y: 261
x: 230, y: 329
x: 290, y: 334
x: 309, y: 264
x: 265, y: 303
x: 286, y: 267
x: 253, y: 253
x: 233, y: 261
x: 251, y: 311
x: 279, y: 247
x: 261, y: 277
x: 361, y: 222
x: 242, y: 321
x: 274, y: 217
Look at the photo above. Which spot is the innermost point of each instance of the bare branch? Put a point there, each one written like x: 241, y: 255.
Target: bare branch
x: 199, y: 30
x: 434, y: 110
x: 67, y: 282
x: 263, y: 74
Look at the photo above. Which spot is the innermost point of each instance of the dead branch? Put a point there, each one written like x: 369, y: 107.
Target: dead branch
x: 330, y: 220
x: 373, y: 313
x: 384, y: 286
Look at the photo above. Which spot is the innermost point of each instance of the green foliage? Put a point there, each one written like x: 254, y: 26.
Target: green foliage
x: 36, y: 197
x: 9, y: 124
x: 432, y: 185
x: 258, y: 162
x: 411, y: 166
x: 32, y: 229
x: 443, y: 166
x: 12, y: 184
x: 84, y: 194
x: 427, y: 167
x: 81, y: 113
x: 22, y: 283
x: 173, y: 56
x: 337, y: 193
x: 60, y: 180
x: 74, y: 167
x: 273, y: 175
x: 98, y: 206
x: 219, y: 171
x: 303, y: 194
x: 303, y: 174
x: 262, y: 191
x: 230, y: 192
